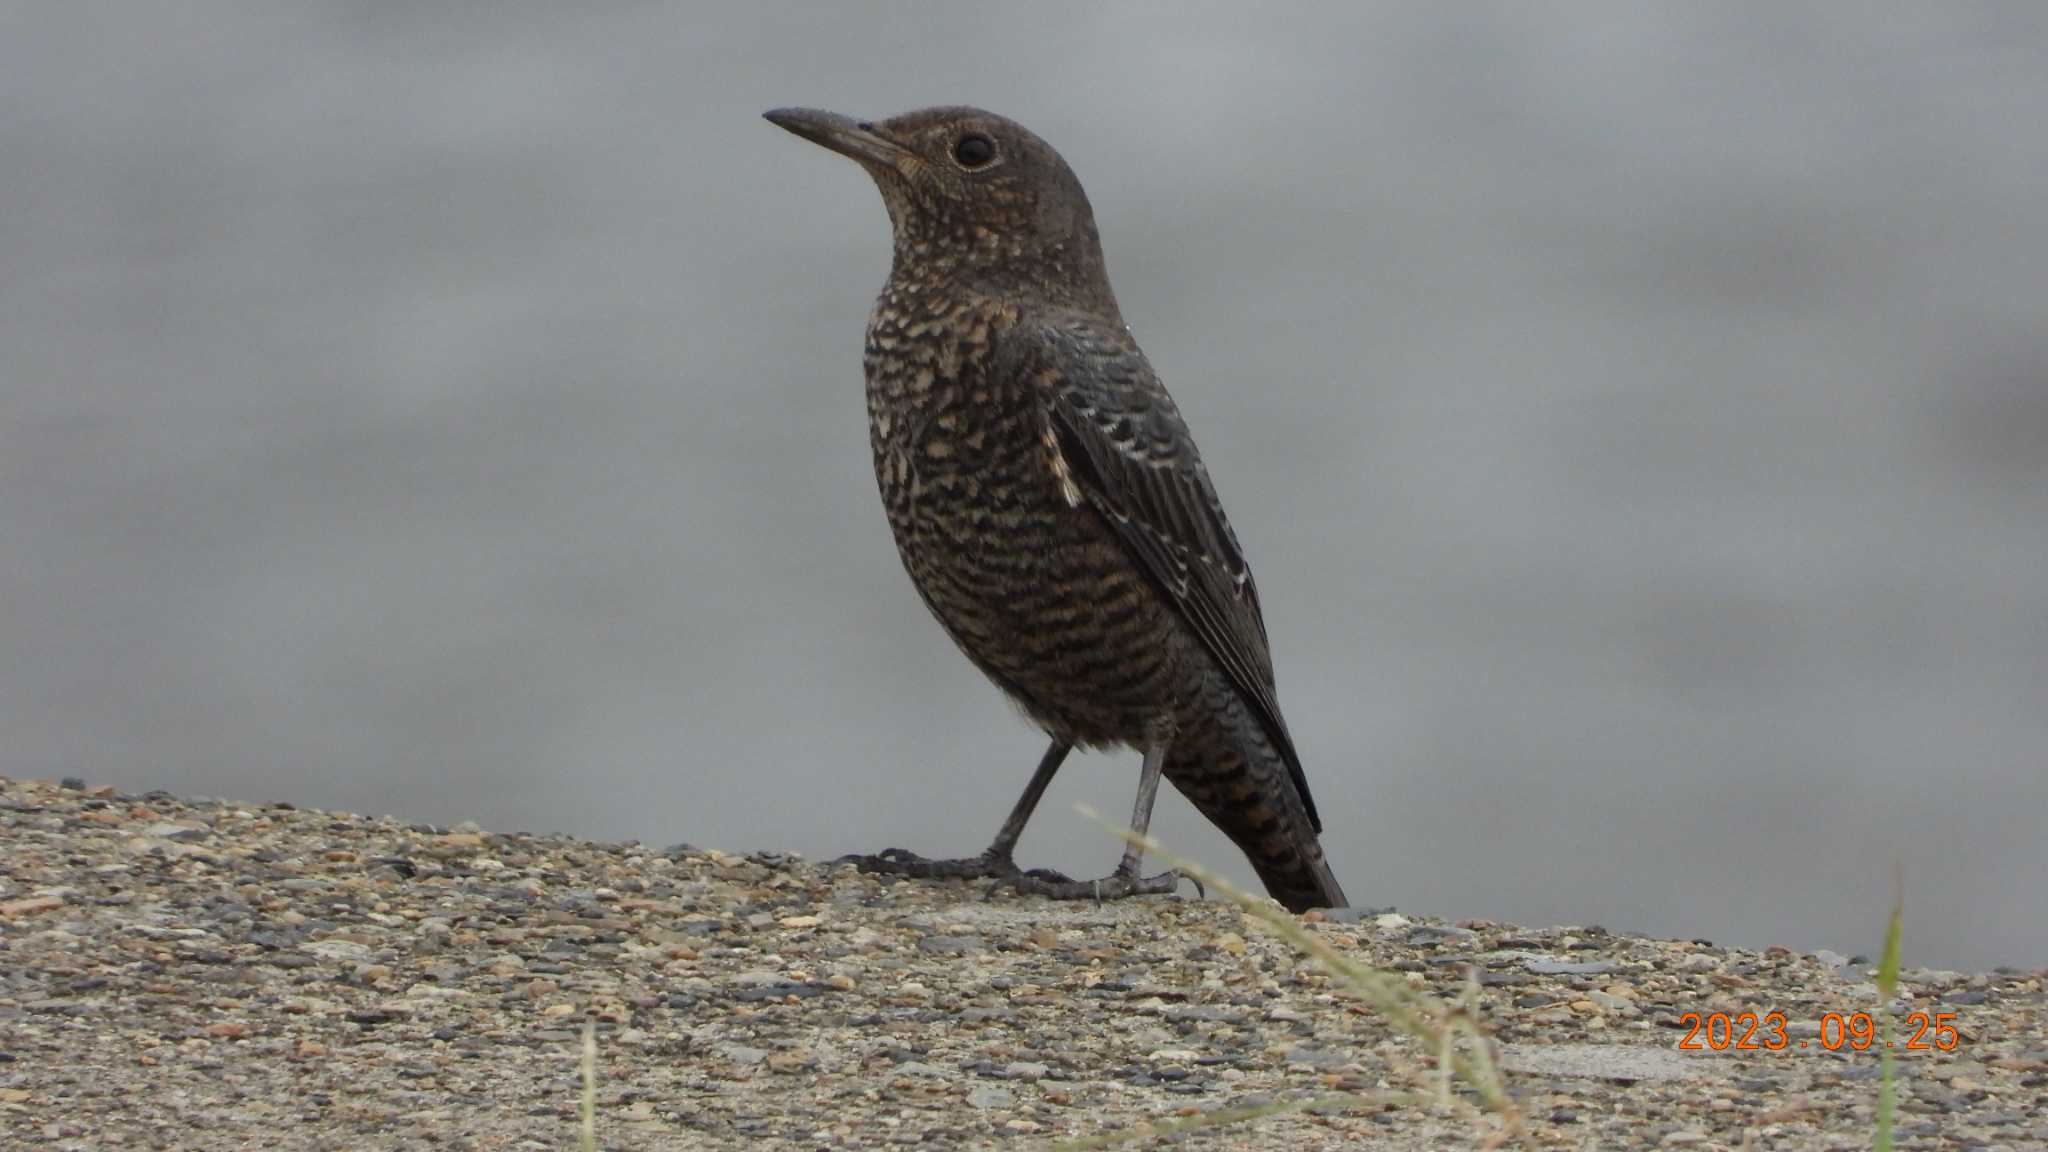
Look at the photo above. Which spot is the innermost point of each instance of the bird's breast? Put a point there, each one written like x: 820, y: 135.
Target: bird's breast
x: 960, y: 456
x: 994, y: 534
x: 950, y: 437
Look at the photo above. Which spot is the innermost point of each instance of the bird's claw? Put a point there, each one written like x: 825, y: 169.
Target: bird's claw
x: 1047, y: 882
x: 1115, y: 886
x: 902, y: 862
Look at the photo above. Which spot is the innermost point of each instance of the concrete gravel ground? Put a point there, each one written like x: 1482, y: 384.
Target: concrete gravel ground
x: 202, y: 974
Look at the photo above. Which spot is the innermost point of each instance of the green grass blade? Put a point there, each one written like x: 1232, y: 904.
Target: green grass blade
x: 1888, y: 987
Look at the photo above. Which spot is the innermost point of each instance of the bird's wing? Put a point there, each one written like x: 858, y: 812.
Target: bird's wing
x: 1118, y: 443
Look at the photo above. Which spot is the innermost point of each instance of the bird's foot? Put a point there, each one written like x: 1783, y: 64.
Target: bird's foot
x: 1115, y: 886
x: 901, y: 862
x: 1046, y: 882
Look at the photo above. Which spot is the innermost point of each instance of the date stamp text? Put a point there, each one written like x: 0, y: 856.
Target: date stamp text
x: 1855, y: 1031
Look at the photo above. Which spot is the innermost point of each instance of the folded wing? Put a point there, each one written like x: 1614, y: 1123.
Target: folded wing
x: 1119, y: 444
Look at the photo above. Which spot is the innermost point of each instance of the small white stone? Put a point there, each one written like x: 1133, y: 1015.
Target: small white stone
x: 990, y: 1096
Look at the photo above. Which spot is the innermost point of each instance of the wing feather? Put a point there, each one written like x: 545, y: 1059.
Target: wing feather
x: 1120, y: 441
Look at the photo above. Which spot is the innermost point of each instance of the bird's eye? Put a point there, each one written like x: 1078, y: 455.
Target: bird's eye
x: 974, y: 150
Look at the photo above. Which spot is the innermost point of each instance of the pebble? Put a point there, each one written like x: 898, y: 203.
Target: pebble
x: 1569, y: 967
x: 1439, y: 933
x: 29, y: 906
x: 1608, y: 1002
x: 337, y: 949
x: 990, y: 1096
x: 742, y: 1054
x: 183, y: 833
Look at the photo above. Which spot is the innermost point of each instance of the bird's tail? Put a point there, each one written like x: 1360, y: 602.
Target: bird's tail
x: 1225, y: 764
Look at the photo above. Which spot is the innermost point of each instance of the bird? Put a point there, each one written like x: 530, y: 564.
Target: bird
x: 1050, y: 506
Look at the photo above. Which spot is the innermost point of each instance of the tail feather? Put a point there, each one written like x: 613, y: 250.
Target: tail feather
x: 1225, y: 764
x: 1302, y: 883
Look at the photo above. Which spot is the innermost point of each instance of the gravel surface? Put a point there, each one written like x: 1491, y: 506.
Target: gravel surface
x: 189, y: 973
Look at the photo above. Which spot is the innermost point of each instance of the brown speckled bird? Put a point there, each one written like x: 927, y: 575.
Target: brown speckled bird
x: 1049, y: 503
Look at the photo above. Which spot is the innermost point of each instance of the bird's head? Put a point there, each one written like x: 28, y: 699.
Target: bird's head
x: 968, y: 188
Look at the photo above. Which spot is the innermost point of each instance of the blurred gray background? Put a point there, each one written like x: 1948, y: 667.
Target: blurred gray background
x: 1638, y: 418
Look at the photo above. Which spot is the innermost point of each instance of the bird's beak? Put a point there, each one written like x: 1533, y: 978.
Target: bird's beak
x: 842, y: 134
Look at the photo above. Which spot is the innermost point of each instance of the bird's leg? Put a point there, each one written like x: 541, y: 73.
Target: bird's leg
x: 994, y: 862
x: 1005, y: 843
x: 1125, y: 881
